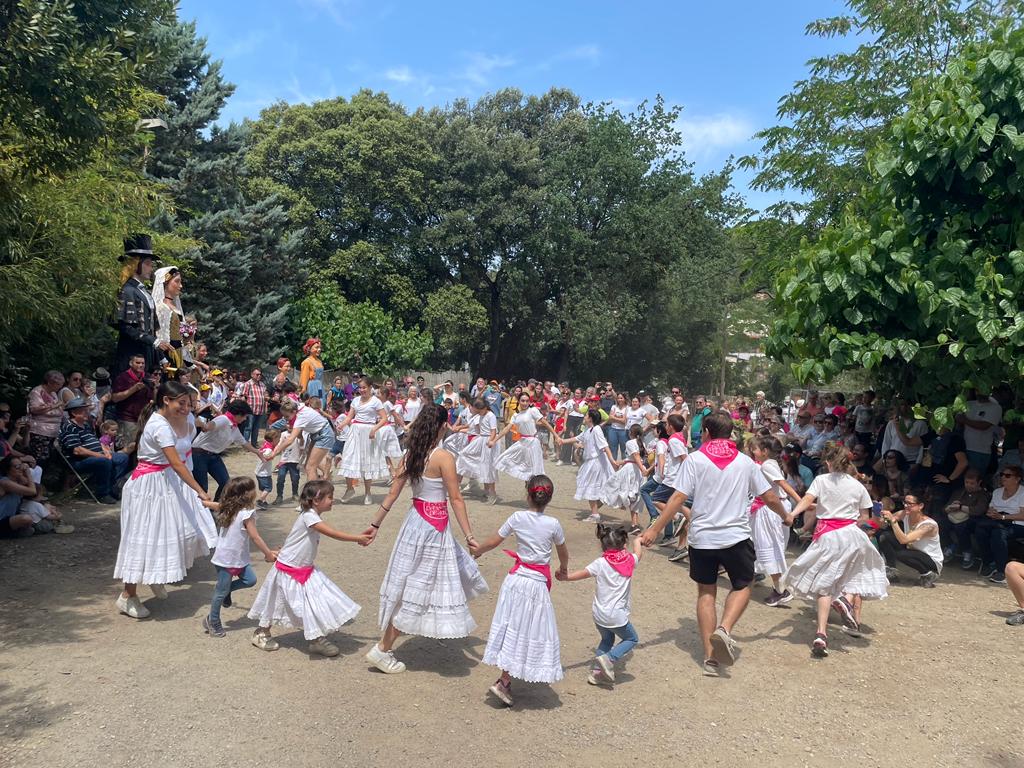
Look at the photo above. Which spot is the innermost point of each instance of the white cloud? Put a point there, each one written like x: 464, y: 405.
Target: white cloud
x: 589, y: 52
x: 400, y: 75
x: 481, y: 65
x: 706, y: 135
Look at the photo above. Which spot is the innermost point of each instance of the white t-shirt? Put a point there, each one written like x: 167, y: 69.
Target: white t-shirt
x: 668, y: 403
x: 574, y: 408
x: 264, y: 467
x: 484, y: 424
x: 300, y: 547
x: 340, y: 432
x: 676, y: 451
x: 594, y: 443
x: 526, y: 421
x: 221, y: 435
x: 930, y: 545
x: 634, y: 416
x: 773, y: 474
x: 661, y: 449
x: 721, y: 498
x: 840, y: 496
x: 612, y: 594
x: 233, y: 542
x: 293, y: 453
x: 632, y: 446
x: 891, y: 441
x: 564, y: 405
x: 309, y: 421
x: 980, y: 440
x: 159, y: 434
x: 536, y: 535
x: 368, y: 412
x: 1011, y: 505
x: 617, y: 411
x: 411, y: 409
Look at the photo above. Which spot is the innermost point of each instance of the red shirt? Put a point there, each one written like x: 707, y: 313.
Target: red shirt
x: 131, y: 407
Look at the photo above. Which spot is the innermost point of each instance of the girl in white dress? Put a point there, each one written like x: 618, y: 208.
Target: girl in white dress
x: 770, y: 534
x: 459, y: 431
x: 164, y: 525
x: 523, y: 642
x: 598, y: 463
x: 525, y: 457
x: 363, y: 457
x: 622, y: 489
x: 387, y: 436
x: 841, y: 566
x: 430, y: 579
x: 476, y: 461
x: 296, y: 593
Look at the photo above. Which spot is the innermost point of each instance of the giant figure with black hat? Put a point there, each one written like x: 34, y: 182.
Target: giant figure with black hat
x: 136, y: 314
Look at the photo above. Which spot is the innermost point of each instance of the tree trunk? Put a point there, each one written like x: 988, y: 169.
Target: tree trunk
x: 494, y: 316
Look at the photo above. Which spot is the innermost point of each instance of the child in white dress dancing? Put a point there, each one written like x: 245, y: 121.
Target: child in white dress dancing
x: 598, y: 463
x: 612, y: 599
x: 525, y: 457
x: 770, y: 534
x: 476, y: 461
x: 296, y: 593
x: 523, y: 642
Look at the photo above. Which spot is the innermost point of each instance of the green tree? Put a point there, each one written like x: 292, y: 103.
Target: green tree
x: 457, y: 321
x: 923, y: 280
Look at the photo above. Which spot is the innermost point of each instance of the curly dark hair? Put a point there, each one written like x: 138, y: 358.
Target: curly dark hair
x: 239, y: 493
x: 423, y: 436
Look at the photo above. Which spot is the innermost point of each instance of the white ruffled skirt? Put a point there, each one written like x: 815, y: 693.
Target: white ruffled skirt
x: 429, y: 582
x: 591, y: 478
x: 770, y: 539
x: 387, y: 442
x: 476, y: 461
x: 362, y: 458
x: 622, y: 489
x: 521, y: 460
x: 843, y: 560
x: 523, y: 639
x: 455, y: 442
x: 164, y: 528
x: 317, y: 607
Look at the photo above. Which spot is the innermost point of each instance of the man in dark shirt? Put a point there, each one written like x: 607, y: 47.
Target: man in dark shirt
x: 131, y: 392
x: 88, y: 456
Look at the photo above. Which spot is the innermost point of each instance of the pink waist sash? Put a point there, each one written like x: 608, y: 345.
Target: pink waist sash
x: 235, y: 571
x: 543, y: 570
x: 148, y: 467
x: 434, y: 512
x: 828, y: 524
x: 301, y: 575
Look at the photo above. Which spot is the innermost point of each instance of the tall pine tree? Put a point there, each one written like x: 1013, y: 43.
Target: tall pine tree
x: 242, y: 275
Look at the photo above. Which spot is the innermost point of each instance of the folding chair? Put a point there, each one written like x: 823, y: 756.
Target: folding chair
x: 70, y: 465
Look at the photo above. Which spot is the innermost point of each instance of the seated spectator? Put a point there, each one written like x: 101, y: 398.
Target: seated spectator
x: 917, y: 547
x: 20, y: 514
x: 860, y: 457
x: 966, y: 507
x: 110, y: 437
x: 1015, y: 580
x: 45, y: 411
x: 893, y: 467
x: 1013, y: 455
x: 103, y: 467
x: 1003, y: 523
x: 847, y: 436
x: 74, y: 386
x: 13, y: 438
x: 797, y: 474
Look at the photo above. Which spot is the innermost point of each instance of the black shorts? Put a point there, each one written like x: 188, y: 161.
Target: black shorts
x: 662, y: 493
x: 738, y: 561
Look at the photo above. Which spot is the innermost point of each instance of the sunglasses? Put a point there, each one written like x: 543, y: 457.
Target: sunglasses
x: 1008, y: 474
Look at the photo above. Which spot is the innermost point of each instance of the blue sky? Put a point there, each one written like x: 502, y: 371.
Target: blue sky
x: 726, y: 62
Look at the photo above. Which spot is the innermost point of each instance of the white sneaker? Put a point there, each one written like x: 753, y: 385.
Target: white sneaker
x: 348, y: 494
x: 594, y: 518
x: 385, y: 661
x: 264, y: 641
x: 159, y: 591
x: 559, y: 463
x: 323, y: 647
x: 132, y: 606
x: 367, y: 500
x: 491, y: 500
x: 607, y: 666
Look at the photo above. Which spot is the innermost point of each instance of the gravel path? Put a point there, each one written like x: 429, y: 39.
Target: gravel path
x: 934, y: 682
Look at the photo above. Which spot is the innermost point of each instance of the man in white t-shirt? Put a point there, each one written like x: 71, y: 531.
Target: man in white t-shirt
x: 652, y: 415
x: 720, y: 480
x: 905, y: 433
x: 217, y: 435
x: 981, y: 423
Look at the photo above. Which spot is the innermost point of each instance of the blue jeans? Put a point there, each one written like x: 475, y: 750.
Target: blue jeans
x: 253, y: 425
x: 629, y: 640
x: 290, y: 469
x: 205, y: 464
x: 994, y: 537
x: 652, y: 491
x: 103, y: 473
x: 694, y: 442
x: 617, y: 442
x: 225, y: 586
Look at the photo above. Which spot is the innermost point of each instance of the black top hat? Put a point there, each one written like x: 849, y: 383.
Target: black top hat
x: 137, y: 245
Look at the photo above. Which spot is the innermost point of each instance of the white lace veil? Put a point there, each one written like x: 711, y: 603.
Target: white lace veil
x: 159, y: 280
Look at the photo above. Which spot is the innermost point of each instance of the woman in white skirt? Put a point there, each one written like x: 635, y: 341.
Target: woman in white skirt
x: 430, y: 579
x: 476, y: 461
x: 525, y: 457
x: 523, y: 642
x: 164, y: 525
x: 770, y: 534
x: 362, y: 457
x: 622, y: 490
x: 841, y: 567
x: 598, y: 463
x: 296, y: 593
x: 387, y: 436
x: 458, y: 437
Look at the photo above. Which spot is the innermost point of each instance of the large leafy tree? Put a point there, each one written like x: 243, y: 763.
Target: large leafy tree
x: 923, y: 280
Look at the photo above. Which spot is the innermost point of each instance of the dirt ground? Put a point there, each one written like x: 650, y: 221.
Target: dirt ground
x: 934, y: 682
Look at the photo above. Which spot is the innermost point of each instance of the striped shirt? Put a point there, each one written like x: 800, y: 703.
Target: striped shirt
x: 73, y: 436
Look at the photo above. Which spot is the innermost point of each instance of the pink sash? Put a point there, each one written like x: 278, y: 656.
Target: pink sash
x: 543, y: 570
x: 720, y: 451
x: 621, y: 561
x: 829, y: 524
x: 235, y: 571
x: 434, y: 512
x: 148, y: 467
x: 301, y: 575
